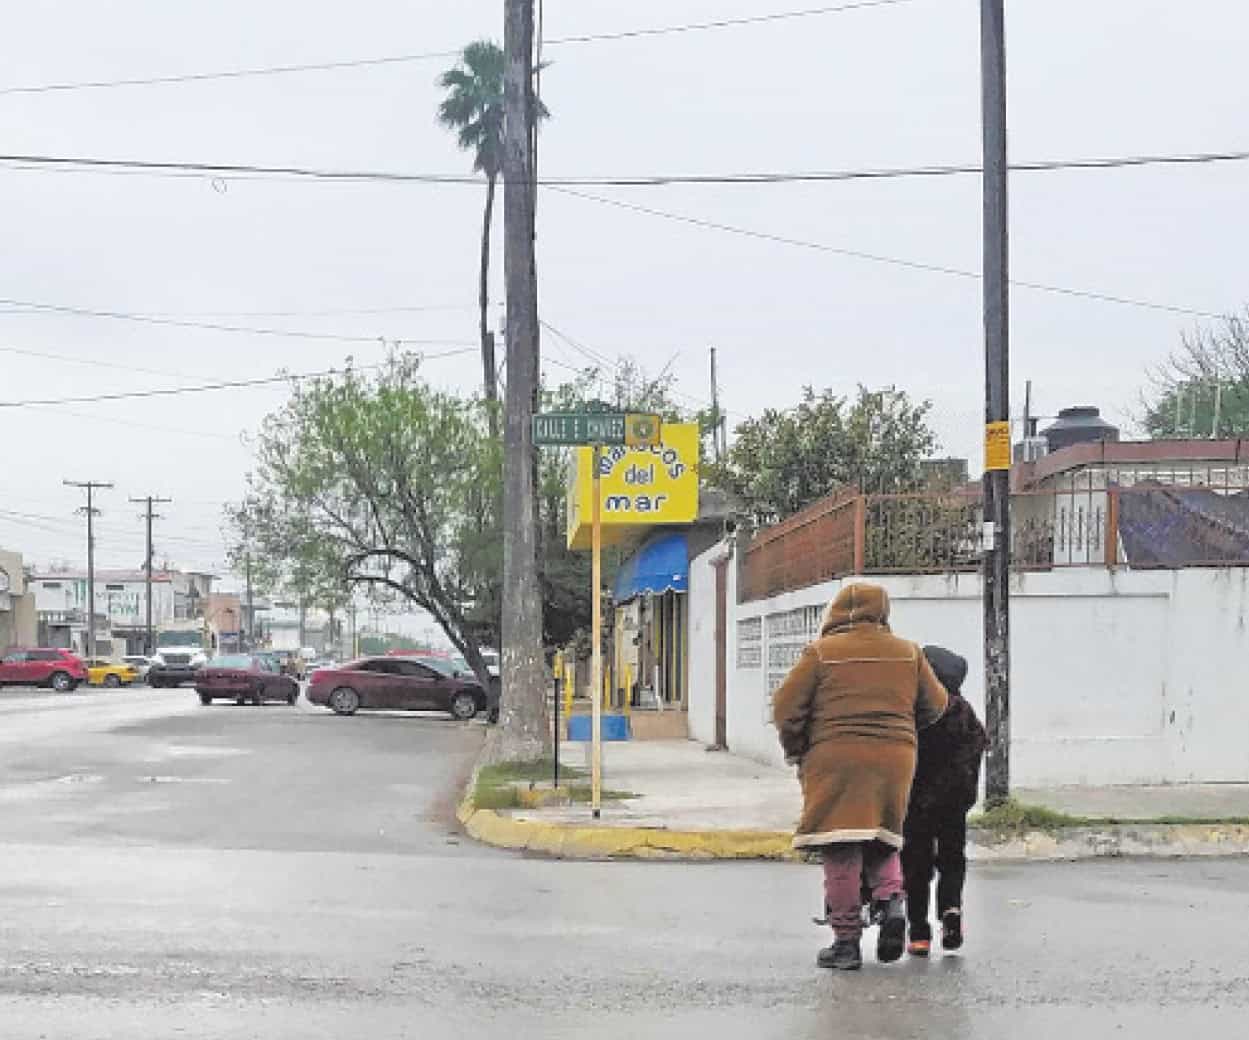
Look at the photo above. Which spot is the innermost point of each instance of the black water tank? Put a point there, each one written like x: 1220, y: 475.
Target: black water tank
x: 1081, y: 425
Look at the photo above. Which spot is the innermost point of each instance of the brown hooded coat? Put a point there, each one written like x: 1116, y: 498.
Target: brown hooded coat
x: 847, y: 714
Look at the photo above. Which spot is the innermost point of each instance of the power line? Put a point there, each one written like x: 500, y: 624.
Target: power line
x: 400, y: 59
x: 251, y: 330
x: 234, y: 384
x: 601, y: 360
x: 155, y: 167
x: 878, y: 258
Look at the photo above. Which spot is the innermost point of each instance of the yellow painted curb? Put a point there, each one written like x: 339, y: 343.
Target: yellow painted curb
x: 573, y: 842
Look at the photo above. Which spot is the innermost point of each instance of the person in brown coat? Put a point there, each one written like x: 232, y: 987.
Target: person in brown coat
x: 847, y: 716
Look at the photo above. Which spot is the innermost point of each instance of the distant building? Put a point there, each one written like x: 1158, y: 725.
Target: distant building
x: 120, y: 606
x: 18, y: 624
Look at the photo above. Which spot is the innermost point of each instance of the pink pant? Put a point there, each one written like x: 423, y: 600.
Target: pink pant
x: 847, y: 867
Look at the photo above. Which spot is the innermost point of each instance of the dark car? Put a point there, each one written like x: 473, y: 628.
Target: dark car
x: 242, y: 678
x: 60, y: 669
x: 396, y: 683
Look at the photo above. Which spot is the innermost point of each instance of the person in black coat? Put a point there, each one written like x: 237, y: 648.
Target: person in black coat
x: 946, y: 786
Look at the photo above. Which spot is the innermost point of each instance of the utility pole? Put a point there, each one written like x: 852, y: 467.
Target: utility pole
x: 91, y: 487
x: 997, y: 403
x: 523, y: 731
x: 149, y: 641
x: 715, y: 408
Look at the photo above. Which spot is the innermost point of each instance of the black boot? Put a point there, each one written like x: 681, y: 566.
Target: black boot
x: 843, y: 955
x: 952, y: 930
x: 891, y: 939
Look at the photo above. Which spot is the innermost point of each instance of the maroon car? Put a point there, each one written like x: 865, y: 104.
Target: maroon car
x: 60, y: 669
x: 397, y: 683
x: 242, y: 678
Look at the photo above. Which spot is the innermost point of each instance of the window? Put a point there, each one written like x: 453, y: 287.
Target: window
x: 43, y: 655
x: 16, y: 658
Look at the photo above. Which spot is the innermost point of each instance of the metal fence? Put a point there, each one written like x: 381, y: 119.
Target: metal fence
x: 1105, y: 520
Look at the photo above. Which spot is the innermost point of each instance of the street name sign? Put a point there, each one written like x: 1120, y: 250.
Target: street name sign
x: 574, y: 429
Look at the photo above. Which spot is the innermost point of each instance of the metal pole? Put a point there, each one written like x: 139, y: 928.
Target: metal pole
x: 1218, y: 408
x: 596, y: 634
x: 997, y: 400
x: 90, y: 575
x: 715, y: 407
x: 147, y: 635
x: 558, y: 695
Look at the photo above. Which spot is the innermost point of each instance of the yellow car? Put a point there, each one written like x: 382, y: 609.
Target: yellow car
x: 108, y: 673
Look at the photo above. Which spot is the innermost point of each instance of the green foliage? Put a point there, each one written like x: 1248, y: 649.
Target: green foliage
x: 383, y: 482
x: 1012, y: 817
x: 473, y: 106
x: 1209, y: 372
x: 786, y: 459
x: 503, y: 786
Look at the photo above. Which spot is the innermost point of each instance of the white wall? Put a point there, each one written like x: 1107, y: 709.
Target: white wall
x: 1117, y: 677
x: 702, y: 644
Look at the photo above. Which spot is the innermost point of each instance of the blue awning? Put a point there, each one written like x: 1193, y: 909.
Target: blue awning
x: 661, y: 564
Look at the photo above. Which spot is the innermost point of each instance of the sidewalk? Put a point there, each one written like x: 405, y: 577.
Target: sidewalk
x: 687, y: 802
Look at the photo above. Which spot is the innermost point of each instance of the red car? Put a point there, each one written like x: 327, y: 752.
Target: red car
x: 397, y: 683
x: 60, y: 669
x: 244, y: 677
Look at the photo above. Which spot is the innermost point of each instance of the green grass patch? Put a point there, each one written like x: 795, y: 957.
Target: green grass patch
x: 500, y: 786
x: 1013, y: 817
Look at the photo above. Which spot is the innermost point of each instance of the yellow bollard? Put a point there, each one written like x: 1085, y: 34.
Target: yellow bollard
x: 570, y: 685
x: 628, y: 689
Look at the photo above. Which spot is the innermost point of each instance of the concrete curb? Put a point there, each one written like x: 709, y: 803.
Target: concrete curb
x: 563, y: 841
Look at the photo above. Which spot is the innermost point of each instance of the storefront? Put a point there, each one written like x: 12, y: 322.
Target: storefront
x: 651, y: 595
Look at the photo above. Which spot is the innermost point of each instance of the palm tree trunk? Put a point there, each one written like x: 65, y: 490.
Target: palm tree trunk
x: 490, y: 380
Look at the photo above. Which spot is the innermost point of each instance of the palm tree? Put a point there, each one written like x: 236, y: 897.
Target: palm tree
x: 473, y: 108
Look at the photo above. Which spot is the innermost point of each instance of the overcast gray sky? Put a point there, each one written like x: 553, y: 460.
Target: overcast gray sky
x: 885, y: 86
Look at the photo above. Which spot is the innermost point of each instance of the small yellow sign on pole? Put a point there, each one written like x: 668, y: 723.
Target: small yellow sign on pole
x: 997, y: 446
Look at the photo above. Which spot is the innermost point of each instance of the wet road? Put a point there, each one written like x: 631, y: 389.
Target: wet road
x: 175, y: 871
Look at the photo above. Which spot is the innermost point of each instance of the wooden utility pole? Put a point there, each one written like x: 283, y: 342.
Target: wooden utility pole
x: 997, y: 403
x: 523, y: 731
x: 91, y: 487
x: 149, y: 639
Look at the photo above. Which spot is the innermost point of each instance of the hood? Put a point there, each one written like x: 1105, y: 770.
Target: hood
x: 948, y: 666
x: 857, y: 603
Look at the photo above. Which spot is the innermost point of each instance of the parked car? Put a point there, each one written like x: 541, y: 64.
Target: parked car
x: 142, y: 665
x: 242, y: 678
x: 396, y: 683
x: 111, y: 673
x: 60, y: 669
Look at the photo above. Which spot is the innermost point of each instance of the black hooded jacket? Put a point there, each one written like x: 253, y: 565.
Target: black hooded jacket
x: 947, y: 771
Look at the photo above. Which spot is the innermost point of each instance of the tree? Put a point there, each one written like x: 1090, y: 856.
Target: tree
x: 1209, y: 373
x: 376, y: 481
x: 786, y: 459
x: 473, y: 108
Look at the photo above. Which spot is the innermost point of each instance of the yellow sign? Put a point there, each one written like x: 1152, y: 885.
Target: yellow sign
x: 640, y: 487
x: 997, y: 445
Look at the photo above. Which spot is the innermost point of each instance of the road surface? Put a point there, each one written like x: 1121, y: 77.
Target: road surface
x: 177, y: 871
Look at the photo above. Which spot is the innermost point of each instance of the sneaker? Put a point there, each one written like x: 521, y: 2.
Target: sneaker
x: 952, y: 930
x: 843, y: 955
x: 921, y: 941
x: 892, y: 936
